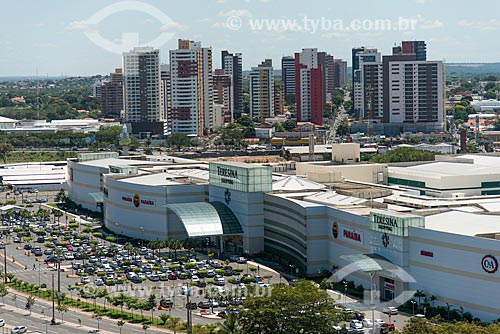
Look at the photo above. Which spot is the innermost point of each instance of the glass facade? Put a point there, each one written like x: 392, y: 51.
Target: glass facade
x: 394, y: 223
x: 241, y: 177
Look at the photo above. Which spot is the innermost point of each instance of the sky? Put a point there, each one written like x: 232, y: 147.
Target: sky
x: 69, y: 37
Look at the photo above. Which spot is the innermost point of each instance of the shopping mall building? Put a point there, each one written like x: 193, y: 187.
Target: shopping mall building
x: 449, y: 247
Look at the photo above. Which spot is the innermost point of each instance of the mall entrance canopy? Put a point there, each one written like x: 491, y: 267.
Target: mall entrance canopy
x: 370, y: 262
x: 201, y: 219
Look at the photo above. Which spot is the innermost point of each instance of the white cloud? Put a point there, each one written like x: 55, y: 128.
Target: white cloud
x: 483, y: 25
x: 174, y: 26
x: 236, y: 12
x: 423, y: 2
x: 77, y: 25
x: 426, y: 24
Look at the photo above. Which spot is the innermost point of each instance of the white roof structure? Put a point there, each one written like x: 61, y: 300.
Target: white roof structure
x: 463, y: 223
x: 9, y: 207
x: 7, y: 120
x: 294, y: 183
x: 333, y: 198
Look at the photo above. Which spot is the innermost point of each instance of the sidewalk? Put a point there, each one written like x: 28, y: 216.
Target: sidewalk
x: 47, y: 318
x: 77, y: 310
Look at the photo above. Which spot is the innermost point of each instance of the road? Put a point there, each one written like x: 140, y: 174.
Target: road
x: 39, y: 320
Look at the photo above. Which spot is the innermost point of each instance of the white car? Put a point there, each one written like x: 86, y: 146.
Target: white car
x: 2, y: 322
x: 379, y: 322
x: 390, y: 310
x: 367, y: 323
x: 99, y: 282
x: 19, y: 330
x: 85, y: 280
x: 356, y: 324
x: 195, y: 279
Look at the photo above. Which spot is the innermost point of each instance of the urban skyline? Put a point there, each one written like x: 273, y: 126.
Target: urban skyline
x: 54, y: 41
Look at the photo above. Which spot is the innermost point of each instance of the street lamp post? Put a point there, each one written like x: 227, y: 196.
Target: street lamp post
x: 5, y: 262
x: 142, y: 236
x: 53, y: 321
x: 413, y: 306
x: 291, y: 270
x: 345, y: 293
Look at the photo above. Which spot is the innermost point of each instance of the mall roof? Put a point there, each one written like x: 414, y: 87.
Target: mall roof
x: 294, y: 183
x: 155, y: 179
x: 440, y: 169
x: 463, y: 223
x: 333, y: 198
x: 120, y: 162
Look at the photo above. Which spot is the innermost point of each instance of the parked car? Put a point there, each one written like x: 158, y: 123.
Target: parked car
x: 356, y: 324
x: 19, y: 330
x: 390, y: 310
x: 2, y: 322
x: 367, y: 323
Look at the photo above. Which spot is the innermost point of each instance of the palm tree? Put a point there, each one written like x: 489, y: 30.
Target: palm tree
x: 30, y: 301
x: 132, y: 305
x: 97, y: 316
x: 433, y: 299
x: 62, y: 308
x: 120, y: 324
x: 145, y: 327
x: 419, y: 294
x: 231, y: 325
x: 174, y: 324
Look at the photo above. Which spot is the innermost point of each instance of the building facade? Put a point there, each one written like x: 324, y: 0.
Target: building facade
x: 288, y: 74
x: 232, y: 64
x: 191, y: 87
x: 142, y: 85
x: 112, y: 95
x: 262, y: 91
x: 223, y: 93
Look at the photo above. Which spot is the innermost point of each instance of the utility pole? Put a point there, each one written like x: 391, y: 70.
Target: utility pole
x: 53, y: 321
x: 5, y: 262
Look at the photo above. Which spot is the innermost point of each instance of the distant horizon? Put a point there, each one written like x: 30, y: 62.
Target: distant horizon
x: 65, y: 76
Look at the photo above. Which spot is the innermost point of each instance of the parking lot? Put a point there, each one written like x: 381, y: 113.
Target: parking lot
x: 36, y: 246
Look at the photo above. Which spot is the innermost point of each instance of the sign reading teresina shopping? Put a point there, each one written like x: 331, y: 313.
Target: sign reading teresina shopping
x: 240, y: 176
x: 395, y: 223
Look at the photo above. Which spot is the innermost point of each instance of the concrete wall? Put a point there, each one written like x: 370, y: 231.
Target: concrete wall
x: 333, y: 173
x: 345, y: 153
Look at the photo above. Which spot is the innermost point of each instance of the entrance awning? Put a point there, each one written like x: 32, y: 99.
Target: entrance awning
x: 370, y: 262
x: 206, y: 219
x: 97, y: 197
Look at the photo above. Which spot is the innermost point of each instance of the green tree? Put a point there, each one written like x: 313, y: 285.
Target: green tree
x: 278, y: 127
x: 231, y: 325
x: 61, y: 308
x: 30, y: 301
x: 145, y: 327
x: 174, y: 323
x: 289, y: 125
x: 3, y: 291
x: 5, y: 148
x: 178, y: 140
x: 310, y: 307
x: 164, y: 318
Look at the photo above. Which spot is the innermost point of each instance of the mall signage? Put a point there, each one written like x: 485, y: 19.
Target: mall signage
x: 489, y: 264
x: 138, y: 201
x: 395, y: 223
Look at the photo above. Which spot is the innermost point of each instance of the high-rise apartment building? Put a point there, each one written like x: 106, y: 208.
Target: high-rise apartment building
x: 279, y: 97
x: 223, y: 93
x: 414, y: 91
x: 310, y: 92
x: 191, y: 88
x: 232, y: 64
x: 418, y: 48
x: 166, y: 94
x: 367, y: 84
x: 288, y: 75
x: 262, y: 91
x: 141, y: 79
x: 112, y: 95
x: 340, y: 73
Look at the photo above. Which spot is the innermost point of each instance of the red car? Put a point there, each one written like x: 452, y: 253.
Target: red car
x: 389, y: 326
x: 69, y: 248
